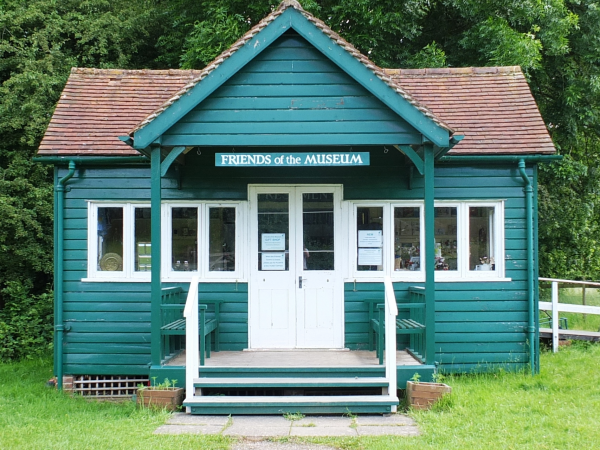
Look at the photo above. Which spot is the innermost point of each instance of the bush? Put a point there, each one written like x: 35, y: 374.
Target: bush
x: 26, y: 322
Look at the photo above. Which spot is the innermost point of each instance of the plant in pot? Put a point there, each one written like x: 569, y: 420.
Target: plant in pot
x: 421, y: 395
x: 161, y: 395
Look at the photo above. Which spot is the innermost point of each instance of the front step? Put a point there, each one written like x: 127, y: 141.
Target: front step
x: 373, y: 404
x: 281, y: 394
x: 289, y: 383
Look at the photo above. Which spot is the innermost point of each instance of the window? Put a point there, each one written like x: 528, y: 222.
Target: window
x: 221, y: 239
x: 119, y: 241
x: 446, y: 238
x: 196, y: 238
x: 469, y: 236
x: 407, y: 238
x: 201, y: 238
x: 184, y: 239
x: 369, y: 238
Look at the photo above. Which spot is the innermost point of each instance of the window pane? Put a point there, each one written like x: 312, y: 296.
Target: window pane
x: 110, y: 239
x: 481, y: 238
x: 184, y: 239
x: 369, y: 238
x: 273, y: 231
x: 445, y: 239
x: 317, y: 222
x: 142, y: 240
x: 407, y: 239
x: 221, y: 240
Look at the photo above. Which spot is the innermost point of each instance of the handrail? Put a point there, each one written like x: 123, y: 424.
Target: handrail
x: 555, y: 306
x: 192, y: 348
x: 391, y: 312
x: 558, y: 280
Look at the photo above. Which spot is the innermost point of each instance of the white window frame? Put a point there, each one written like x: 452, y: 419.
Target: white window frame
x: 408, y: 275
x: 170, y: 275
x: 128, y: 273
x: 353, y: 261
x: 462, y: 274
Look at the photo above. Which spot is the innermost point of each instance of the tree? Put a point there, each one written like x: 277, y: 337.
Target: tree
x: 40, y: 40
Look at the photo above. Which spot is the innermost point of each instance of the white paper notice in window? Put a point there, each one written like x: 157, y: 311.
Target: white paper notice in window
x: 273, y: 261
x: 370, y: 256
x: 273, y: 241
x: 370, y: 238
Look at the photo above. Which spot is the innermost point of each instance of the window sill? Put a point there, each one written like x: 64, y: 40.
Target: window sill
x: 164, y: 280
x: 380, y: 278
x: 116, y: 280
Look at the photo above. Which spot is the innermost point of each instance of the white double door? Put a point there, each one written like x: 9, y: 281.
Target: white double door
x: 296, y: 290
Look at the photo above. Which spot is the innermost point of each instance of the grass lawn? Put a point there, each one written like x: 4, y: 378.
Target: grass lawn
x: 557, y: 409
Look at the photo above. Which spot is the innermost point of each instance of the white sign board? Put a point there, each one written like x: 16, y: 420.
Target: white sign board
x: 273, y: 261
x: 370, y: 257
x: 273, y: 241
x: 370, y: 238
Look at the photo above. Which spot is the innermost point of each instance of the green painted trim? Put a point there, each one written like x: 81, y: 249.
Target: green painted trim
x: 170, y: 372
x: 429, y: 199
x: 155, y: 237
x: 348, y: 63
x: 406, y: 373
x: 55, y: 262
x: 58, y: 292
x: 504, y: 158
x: 91, y: 160
x: 171, y: 157
x: 243, y: 383
x: 413, y: 156
x: 297, y: 372
x: 235, y: 408
x: 528, y: 190
x: 536, y: 275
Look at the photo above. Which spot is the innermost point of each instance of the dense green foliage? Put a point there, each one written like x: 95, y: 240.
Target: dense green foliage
x: 556, y: 42
x: 40, y: 41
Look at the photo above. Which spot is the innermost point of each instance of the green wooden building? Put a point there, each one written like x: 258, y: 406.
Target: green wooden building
x: 274, y: 210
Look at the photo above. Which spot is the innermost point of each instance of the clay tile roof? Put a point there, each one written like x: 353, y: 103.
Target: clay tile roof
x: 99, y: 105
x: 380, y: 73
x: 492, y: 106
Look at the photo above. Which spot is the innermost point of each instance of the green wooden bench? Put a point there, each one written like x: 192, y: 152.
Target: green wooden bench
x: 173, y: 325
x: 412, y: 326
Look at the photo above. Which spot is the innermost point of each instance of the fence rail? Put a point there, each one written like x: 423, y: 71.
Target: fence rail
x: 556, y: 307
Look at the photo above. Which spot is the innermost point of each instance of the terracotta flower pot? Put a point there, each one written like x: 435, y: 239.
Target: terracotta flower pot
x: 423, y: 395
x: 170, y: 398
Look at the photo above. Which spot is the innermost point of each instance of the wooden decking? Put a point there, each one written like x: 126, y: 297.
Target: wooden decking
x: 576, y: 335
x: 296, y: 358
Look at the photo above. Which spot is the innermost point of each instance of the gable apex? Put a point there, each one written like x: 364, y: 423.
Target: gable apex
x: 290, y: 15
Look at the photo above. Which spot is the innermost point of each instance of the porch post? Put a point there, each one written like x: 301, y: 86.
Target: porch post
x: 428, y: 159
x: 155, y: 254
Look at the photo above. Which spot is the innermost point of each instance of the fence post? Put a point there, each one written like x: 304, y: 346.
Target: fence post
x: 555, y: 318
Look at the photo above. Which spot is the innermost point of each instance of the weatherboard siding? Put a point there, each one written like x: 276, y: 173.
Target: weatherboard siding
x: 478, y: 325
x: 291, y: 94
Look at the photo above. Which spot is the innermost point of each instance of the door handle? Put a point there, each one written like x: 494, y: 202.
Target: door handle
x: 300, y: 280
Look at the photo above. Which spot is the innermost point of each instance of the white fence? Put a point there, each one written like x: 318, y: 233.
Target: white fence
x: 556, y: 307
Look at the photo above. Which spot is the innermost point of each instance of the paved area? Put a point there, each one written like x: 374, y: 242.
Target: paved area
x: 259, y: 427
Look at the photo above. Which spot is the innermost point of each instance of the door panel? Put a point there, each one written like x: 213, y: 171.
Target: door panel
x: 296, y: 295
